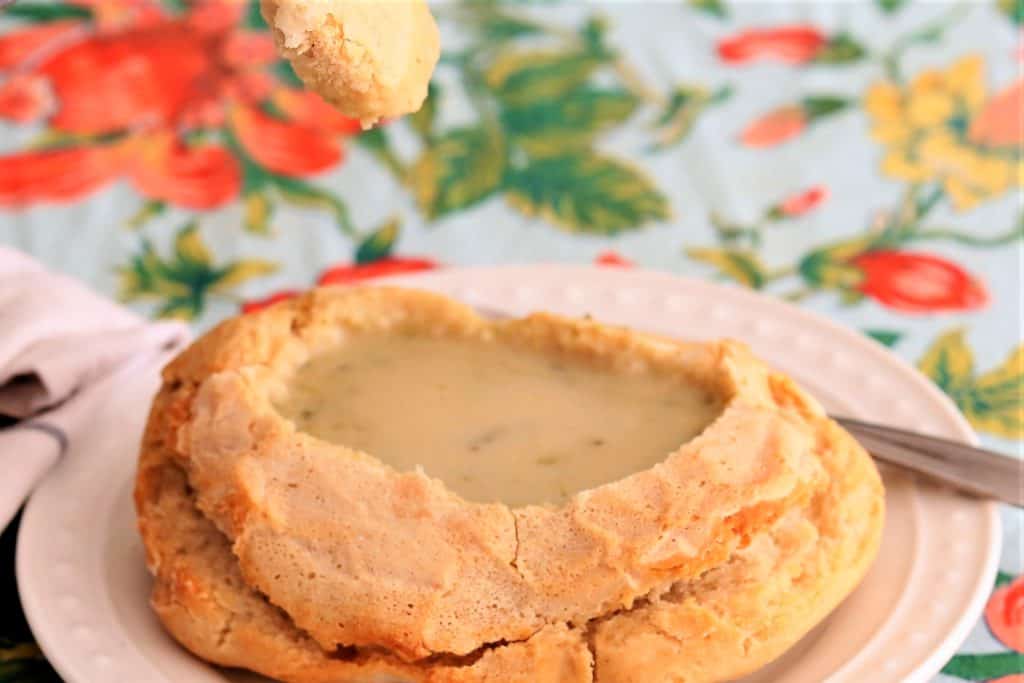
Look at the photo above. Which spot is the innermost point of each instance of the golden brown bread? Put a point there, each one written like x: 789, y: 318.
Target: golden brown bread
x: 202, y: 600
x: 372, y: 59
x: 744, y: 614
x: 736, y: 545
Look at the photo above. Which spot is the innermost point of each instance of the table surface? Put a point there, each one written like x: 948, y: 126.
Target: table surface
x: 863, y: 159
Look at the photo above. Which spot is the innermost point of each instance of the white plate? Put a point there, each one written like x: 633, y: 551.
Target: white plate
x: 80, y: 563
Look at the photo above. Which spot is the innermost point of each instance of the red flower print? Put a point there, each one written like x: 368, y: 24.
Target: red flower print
x: 281, y: 146
x: 248, y: 87
x: 248, y: 47
x: 357, y: 272
x: 260, y: 304
x: 159, y: 166
x: 999, y: 123
x: 144, y: 82
x: 199, y: 177
x: 611, y: 258
x: 802, y: 202
x: 26, y: 98
x: 790, y: 44
x: 347, y: 274
x: 18, y: 47
x: 109, y: 83
x: 111, y: 15
x: 215, y: 17
x: 1004, y: 615
x: 309, y: 109
x: 775, y: 127
x: 918, y: 283
x: 59, y: 174
x: 1012, y: 678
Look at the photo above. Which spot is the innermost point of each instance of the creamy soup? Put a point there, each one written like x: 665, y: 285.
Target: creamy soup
x: 494, y: 422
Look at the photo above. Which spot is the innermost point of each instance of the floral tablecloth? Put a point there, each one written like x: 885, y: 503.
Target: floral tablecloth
x: 861, y: 158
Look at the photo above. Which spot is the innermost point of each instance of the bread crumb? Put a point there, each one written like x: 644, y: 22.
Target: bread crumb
x: 371, y: 59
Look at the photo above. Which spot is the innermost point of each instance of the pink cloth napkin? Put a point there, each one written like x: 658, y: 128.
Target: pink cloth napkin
x: 57, y: 340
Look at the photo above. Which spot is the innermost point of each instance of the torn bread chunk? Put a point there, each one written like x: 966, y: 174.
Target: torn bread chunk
x: 372, y: 59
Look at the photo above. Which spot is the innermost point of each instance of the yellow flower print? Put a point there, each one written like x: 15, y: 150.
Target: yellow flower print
x: 945, y: 127
x: 898, y: 164
x: 967, y: 78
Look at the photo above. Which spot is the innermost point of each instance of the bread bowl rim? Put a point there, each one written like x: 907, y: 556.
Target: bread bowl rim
x: 620, y: 565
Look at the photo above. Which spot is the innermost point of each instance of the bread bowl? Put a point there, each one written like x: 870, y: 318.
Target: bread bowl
x: 313, y: 555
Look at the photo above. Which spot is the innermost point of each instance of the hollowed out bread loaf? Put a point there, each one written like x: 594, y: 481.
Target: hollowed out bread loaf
x: 372, y: 59
x: 308, y: 561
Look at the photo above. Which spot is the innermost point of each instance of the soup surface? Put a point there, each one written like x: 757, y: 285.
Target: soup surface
x: 494, y: 422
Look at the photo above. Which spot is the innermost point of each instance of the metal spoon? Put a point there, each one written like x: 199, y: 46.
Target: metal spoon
x: 966, y: 468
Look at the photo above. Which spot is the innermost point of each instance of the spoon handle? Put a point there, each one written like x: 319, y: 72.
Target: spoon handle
x: 968, y: 468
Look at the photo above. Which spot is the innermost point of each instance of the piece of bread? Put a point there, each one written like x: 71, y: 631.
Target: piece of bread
x: 703, y: 568
x: 371, y: 59
x: 203, y: 601
x: 746, y: 613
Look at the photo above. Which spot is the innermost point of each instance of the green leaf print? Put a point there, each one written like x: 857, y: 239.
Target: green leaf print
x: 493, y: 25
x: 190, y: 249
x: 379, y: 243
x: 151, y: 208
x: 885, y: 337
x: 241, y: 271
x: 586, y: 192
x: 254, y: 177
x: 993, y: 402
x: 175, y: 6
x: 985, y: 667
x: 526, y: 78
x: 820, y: 106
x: 830, y: 268
x: 257, y: 210
x: 506, y: 28
x: 714, y: 8
x: 593, y: 33
x: 840, y: 49
x: 253, y: 19
x: 301, y: 193
x: 996, y: 404
x: 822, y: 272
x: 422, y: 121
x: 460, y: 168
x: 180, y: 284
x: 286, y: 74
x: 890, y: 6
x: 949, y: 362
x: 685, y: 96
x: 1013, y: 9
x: 539, y: 111
x: 684, y: 107
x: 555, y: 126
x: 738, y: 265
x: 39, y: 12
x: 377, y: 143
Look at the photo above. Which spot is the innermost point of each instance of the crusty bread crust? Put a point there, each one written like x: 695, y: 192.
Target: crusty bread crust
x: 700, y: 569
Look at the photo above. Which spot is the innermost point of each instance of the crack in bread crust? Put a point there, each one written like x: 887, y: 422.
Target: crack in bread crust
x: 210, y: 602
